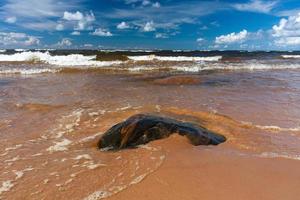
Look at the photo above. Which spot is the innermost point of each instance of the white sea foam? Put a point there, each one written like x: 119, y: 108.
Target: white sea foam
x: 83, y: 156
x: 94, y: 166
x: 24, y: 71
x: 174, y: 58
x: 16, y: 158
x: 6, y: 186
x: 60, y: 146
x: 13, y: 147
x: 277, y: 155
x: 251, y: 66
x: 67, y: 123
x: 273, y: 127
x: 89, y: 138
x: 138, y: 179
x: 290, y: 56
x: 98, y: 195
x: 20, y: 174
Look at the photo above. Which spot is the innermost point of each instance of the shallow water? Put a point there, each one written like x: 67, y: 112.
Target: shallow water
x: 50, y: 124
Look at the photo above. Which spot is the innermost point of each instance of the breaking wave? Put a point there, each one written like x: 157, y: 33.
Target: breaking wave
x: 59, y: 60
x: 290, y: 56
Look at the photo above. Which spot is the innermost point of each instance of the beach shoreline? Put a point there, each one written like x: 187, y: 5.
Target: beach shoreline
x: 51, y: 124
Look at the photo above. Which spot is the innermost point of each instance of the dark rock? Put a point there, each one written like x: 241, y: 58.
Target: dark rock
x: 141, y: 129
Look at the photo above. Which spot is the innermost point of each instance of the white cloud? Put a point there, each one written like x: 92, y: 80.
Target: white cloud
x: 149, y: 27
x: 18, y: 39
x: 156, y: 5
x: 287, y: 32
x: 88, y: 45
x: 199, y: 40
x: 288, y: 41
x: 83, y: 21
x: 31, y: 41
x: 75, y: 33
x: 11, y: 20
x: 35, y: 8
x: 76, y: 16
x: 232, y: 38
x: 256, y: 6
x: 59, y: 27
x: 36, y: 14
x: 123, y: 25
x: 65, y: 42
x: 145, y: 2
x: 169, y: 16
x: 161, y: 35
x: 102, y: 32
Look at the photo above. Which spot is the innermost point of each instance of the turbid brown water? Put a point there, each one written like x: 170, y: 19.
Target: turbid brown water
x: 50, y: 125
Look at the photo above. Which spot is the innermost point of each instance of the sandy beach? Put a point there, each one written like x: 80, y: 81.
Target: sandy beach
x: 149, y: 100
x: 51, y: 124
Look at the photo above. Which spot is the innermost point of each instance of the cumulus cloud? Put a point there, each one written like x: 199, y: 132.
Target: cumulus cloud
x: 149, y: 27
x: 18, y: 39
x: 123, y: 25
x: 59, y: 27
x: 143, y: 3
x: 288, y: 41
x: 168, y: 16
x: 65, y: 42
x: 11, y: 20
x: 232, y: 38
x: 102, y: 32
x: 76, y: 16
x: 287, y: 32
x: 88, y: 46
x: 75, y: 33
x: 256, y: 6
x: 200, y: 40
x: 156, y: 5
x: 161, y: 35
x: 31, y: 41
x: 83, y: 21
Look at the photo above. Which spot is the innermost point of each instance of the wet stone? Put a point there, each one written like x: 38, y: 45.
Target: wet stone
x: 143, y: 128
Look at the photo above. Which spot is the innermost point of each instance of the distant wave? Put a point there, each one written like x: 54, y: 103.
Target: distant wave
x: 198, y: 67
x: 290, y: 56
x: 174, y: 58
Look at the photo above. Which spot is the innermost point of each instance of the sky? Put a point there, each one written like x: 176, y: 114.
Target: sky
x: 151, y: 24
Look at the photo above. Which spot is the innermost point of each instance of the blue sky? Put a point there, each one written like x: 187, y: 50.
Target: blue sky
x: 151, y: 24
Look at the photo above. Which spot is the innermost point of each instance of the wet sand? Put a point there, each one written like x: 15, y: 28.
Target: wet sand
x: 215, y: 173
x: 50, y: 124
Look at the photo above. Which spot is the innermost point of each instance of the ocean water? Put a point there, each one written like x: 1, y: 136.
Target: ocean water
x: 53, y: 61
x: 55, y: 105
